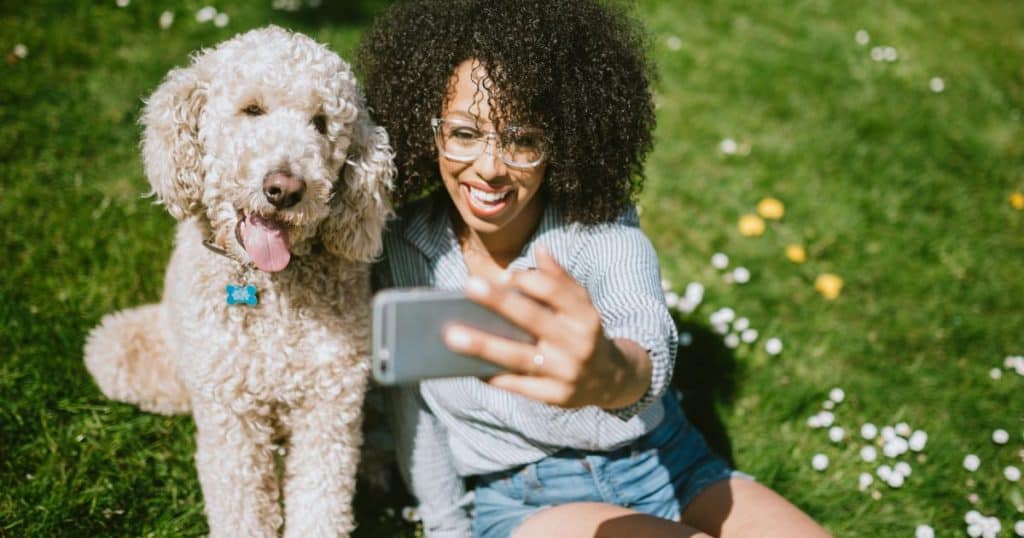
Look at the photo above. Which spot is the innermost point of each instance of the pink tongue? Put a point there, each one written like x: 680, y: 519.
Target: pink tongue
x: 267, y: 244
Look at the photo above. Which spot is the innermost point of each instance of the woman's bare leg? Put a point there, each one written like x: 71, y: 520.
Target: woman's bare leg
x: 599, y: 520
x: 743, y: 508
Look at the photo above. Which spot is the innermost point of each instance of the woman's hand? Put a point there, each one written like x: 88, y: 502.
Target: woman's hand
x: 572, y: 363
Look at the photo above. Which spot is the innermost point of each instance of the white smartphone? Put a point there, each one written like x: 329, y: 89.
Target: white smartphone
x: 408, y: 327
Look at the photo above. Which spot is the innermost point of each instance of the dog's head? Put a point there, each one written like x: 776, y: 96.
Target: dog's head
x: 267, y: 140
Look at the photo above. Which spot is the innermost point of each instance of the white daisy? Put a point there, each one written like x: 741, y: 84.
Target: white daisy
x: 206, y: 14
x: 903, y: 468
x: 741, y: 275
x: 741, y: 324
x: 924, y: 531
x: 732, y: 340
x: 1011, y: 473
x: 972, y: 462
x: 917, y: 440
x: 869, y: 454
x: 749, y: 336
x: 20, y: 51
x: 902, y: 429
x: 836, y: 434
x: 166, y: 19
x: 728, y: 146
x: 837, y: 395
x: 1018, y: 528
x: 819, y: 462
x: 862, y: 37
x: 868, y: 431
x: 673, y: 43
x: 773, y: 346
x: 1000, y: 437
x: 671, y: 299
x: 828, y: 404
x: 995, y: 373
x: 221, y: 20
x: 864, y: 480
x: 719, y: 261
x: 895, y: 480
x: 937, y: 84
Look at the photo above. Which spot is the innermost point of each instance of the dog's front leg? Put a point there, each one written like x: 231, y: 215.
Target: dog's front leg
x: 235, y: 461
x: 320, y: 469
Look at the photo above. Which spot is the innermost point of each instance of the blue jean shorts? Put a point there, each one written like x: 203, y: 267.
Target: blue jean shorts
x: 658, y: 474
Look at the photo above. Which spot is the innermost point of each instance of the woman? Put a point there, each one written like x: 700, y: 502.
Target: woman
x: 520, y: 130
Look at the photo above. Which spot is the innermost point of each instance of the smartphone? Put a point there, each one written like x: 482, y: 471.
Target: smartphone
x: 408, y: 329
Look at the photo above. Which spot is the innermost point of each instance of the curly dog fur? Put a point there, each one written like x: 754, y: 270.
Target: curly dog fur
x: 266, y: 107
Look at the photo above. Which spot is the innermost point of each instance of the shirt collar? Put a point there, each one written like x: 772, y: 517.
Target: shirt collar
x: 430, y: 230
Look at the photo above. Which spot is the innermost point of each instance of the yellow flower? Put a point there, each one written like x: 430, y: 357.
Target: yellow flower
x: 771, y: 209
x: 796, y: 253
x: 1017, y: 200
x: 828, y: 285
x: 751, y: 225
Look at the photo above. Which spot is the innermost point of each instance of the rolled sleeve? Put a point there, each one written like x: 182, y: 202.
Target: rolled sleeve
x: 625, y: 285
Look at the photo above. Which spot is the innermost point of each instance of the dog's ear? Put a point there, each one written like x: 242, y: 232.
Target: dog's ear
x: 361, y: 204
x: 171, y: 152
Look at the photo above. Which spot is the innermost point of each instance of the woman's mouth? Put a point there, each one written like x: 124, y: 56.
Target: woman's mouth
x: 485, y: 203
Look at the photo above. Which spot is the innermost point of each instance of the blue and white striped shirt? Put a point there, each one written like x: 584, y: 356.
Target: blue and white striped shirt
x: 451, y: 428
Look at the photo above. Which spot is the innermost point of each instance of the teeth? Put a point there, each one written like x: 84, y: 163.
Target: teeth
x: 487, y: 197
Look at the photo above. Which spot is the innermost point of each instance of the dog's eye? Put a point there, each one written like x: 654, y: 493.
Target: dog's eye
x: 320, y: 122
x: 253, y: 110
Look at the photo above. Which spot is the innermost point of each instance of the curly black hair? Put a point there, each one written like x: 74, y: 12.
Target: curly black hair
x: 578, y: 69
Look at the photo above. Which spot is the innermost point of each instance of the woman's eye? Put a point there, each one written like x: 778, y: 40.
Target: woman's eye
x: 253, y: 110
x: 465, y: 134
x: 320, y: 122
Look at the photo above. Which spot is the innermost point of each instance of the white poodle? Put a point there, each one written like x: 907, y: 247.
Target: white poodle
x: 263, y: 150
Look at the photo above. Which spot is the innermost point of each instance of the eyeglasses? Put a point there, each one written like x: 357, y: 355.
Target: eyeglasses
x: 518, y: 147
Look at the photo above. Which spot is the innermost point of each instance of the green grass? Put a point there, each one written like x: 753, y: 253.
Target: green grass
x: 901, y: 191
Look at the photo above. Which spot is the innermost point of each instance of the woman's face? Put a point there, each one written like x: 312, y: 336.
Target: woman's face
x: 492, y: 198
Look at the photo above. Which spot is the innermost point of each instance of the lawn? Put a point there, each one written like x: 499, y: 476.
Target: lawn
x: 895, y: 151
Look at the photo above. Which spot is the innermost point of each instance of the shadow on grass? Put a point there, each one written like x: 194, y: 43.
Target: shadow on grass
x: 706, y: 374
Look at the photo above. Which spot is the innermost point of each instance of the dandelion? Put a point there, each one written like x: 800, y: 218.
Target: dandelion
x: 773, y: 346
x: 972, y: 462
x: 1016, y: 199
x: 741, y: 275
x: 937, y: 84
x: 771, y: 208
x: 868, y: 431
x: 166, y: 19
x: 1000, y: 437
x: 862, y: 37
x: 719, y: 261
x: 796, y: 253
x: 728, y: 146
x: 837, y: 395
x: 829, y: 285
x: 673, y: 43
x: 751, y: 225
x: 1011, y: 473
x: 819, y: 462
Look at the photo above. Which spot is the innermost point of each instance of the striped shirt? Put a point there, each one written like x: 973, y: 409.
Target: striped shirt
x: 447, y: 429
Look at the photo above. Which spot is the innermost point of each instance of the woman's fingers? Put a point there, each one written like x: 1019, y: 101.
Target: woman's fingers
x: 551, y: 285
x: 531, y: 316
x: 544, y: 389
x: 520, y: 357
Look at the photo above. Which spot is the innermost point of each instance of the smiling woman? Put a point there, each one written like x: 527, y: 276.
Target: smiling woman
x: 526, y: 125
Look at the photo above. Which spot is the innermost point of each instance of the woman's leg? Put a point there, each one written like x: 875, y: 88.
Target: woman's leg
x: 740, y: 507
x: 600, y: 520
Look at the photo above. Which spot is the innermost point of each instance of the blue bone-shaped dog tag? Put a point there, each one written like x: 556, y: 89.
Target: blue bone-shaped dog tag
x: 242, y: 295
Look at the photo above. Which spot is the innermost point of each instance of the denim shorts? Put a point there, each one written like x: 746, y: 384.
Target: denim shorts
x: 658, y: 474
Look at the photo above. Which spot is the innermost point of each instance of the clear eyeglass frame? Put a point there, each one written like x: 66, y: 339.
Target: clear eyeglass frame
x: 480, y: 143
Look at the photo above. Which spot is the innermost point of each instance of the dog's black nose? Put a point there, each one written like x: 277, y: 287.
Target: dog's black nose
x: 283, y: 189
